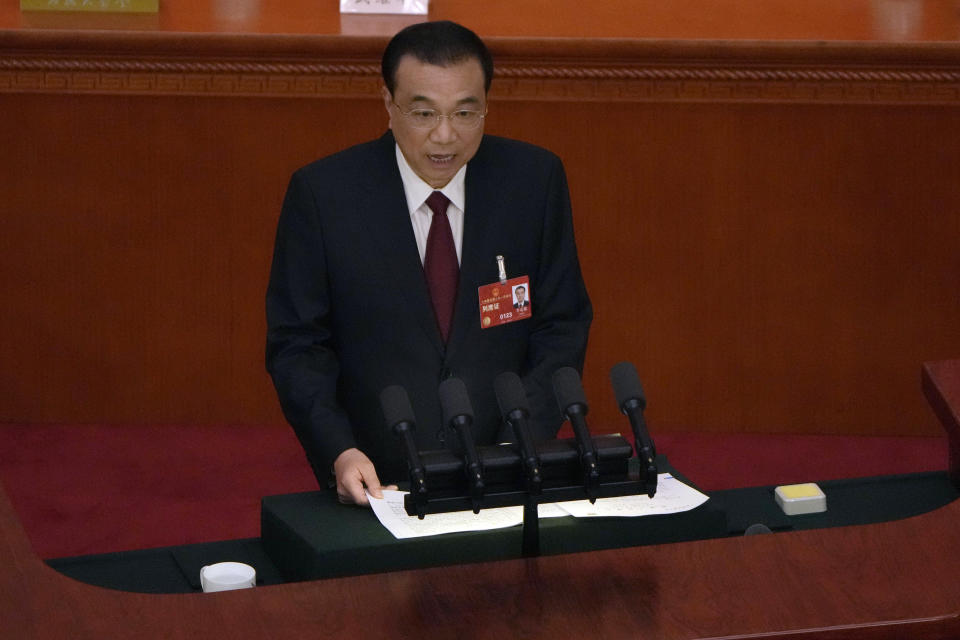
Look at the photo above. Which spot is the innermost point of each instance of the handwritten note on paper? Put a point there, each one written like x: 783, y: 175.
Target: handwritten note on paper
x: 672, y: 497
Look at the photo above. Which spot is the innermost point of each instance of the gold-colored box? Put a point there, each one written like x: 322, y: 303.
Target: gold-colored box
x: 798, y: 499
x: 98, y: 6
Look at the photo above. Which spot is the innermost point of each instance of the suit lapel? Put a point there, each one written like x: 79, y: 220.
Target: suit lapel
x: 384, y: 204
x: 479, y: 249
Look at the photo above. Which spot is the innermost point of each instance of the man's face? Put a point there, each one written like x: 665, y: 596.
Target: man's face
x: 520, y: 293
x: 436, y: 154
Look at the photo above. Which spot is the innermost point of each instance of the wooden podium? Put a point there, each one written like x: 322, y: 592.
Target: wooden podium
x: 885, y: 581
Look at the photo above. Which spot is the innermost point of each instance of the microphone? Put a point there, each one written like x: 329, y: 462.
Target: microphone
x: 512, y: 400
x: 573, y: 405
x: 630, y: 399
x: 399, y: 417
x: 458, y: 413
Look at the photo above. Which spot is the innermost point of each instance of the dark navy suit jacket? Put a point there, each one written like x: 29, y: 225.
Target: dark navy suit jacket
x: 348, y: 309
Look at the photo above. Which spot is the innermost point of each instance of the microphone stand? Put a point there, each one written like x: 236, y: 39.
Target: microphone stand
x: 522, y: 474
x: 646, y: 452
x: 576, y: 413
x: 472, y: 467
x: 530, y: 543
x: 418, y: 486
x: 506, y: 483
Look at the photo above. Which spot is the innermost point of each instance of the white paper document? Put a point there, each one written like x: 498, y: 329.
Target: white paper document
x: 413, y: 7
x: 672, y: 497
x: 391, y: 514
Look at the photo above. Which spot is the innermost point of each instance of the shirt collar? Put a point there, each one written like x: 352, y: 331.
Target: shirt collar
x: 417, y: 191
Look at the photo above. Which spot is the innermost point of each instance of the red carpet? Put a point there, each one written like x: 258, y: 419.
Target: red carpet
x: 82, y: 489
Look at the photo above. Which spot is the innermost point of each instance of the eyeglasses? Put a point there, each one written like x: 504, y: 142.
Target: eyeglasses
x: 430, y: 118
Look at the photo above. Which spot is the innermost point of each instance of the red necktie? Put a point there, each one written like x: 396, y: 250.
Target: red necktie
x: 440, y: 263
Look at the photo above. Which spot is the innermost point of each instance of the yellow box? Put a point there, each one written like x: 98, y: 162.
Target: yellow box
x: 797, y: 499
x: 100, y: 6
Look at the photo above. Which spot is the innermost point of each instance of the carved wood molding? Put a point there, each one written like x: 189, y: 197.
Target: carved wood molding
x: 693, y: 81
x: 730, y: 84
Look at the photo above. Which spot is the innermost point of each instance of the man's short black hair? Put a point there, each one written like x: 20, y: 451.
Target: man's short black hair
x: 439, y: 43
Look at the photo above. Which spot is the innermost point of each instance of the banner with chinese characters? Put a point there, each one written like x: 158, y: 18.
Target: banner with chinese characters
x: 410, y: 7
x: 106, y: 6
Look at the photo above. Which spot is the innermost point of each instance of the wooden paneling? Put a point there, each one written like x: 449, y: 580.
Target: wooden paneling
x: 768, y: 229
x: 135, y: 239
x: 759, y: 263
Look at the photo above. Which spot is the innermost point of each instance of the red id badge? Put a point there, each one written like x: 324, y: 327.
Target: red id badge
x: 505, y: 302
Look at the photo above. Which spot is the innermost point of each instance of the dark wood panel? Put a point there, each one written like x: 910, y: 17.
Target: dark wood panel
x: 758, y: 263
x: 136, y: 236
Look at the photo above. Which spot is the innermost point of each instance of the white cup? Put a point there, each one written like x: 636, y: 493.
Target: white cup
x: 226, y: 576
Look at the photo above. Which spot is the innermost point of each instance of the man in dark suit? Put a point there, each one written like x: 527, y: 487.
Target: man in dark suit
x: 354, y: 304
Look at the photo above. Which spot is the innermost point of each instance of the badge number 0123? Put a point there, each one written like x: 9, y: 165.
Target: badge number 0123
x: 504, y: 302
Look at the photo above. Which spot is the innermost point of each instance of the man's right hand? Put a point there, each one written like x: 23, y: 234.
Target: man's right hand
x: 354, y: 472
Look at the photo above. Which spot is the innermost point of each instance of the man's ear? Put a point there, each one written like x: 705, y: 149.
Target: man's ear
x: 387, y: 101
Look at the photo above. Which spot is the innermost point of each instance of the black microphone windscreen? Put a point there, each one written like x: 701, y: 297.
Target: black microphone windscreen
x: 510, y: 393
x: 454, y: 399
x: 626, y: 384
x: 567, y: 388
x: 396, y: 405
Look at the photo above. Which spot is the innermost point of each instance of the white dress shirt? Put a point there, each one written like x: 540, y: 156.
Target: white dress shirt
x: 417, y: 192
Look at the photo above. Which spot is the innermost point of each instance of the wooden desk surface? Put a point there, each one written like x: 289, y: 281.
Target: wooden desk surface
x: 820, y: 20
x: 890, y: 580
x: 591, y: 33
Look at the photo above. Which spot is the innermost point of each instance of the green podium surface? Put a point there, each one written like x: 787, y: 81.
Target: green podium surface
x: 307, y: 536
x: 311, y: 536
